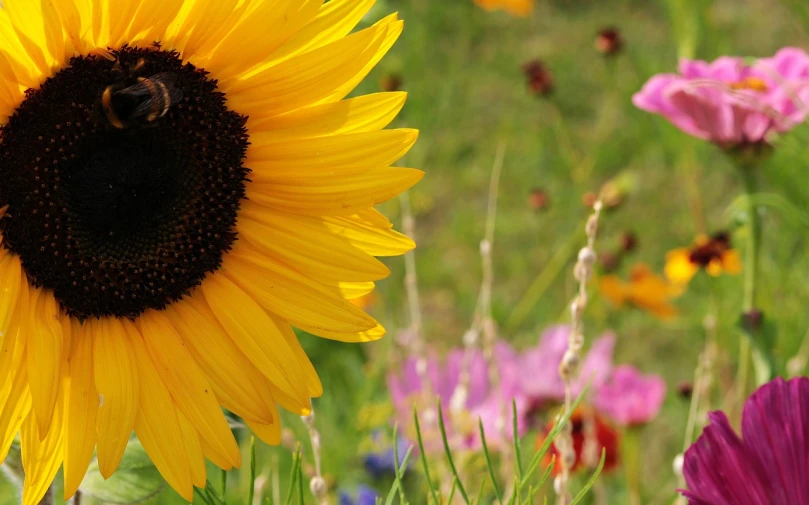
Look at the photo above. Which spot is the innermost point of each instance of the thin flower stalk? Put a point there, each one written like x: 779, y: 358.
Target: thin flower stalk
x: 317, y: 485
x: 569, y: 367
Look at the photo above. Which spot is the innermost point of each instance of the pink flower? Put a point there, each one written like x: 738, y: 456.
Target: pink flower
x: 540, y: 366
x: 629, y: 397
x: 769, y: 465
x: 730, y: 102
x: 461, y: 412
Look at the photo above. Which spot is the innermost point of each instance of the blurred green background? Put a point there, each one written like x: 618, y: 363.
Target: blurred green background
x: 462, y: 69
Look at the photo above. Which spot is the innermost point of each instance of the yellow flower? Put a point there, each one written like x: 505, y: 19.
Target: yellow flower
x: 645, y: 290
x: 714, y: 254
x: 171, y: 209
x: 520, y: 8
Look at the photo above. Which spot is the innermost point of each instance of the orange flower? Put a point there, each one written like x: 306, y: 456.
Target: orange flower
x: 606, y: 436
x: 645, y: 290
x: 520, y: 8
x: 713, y: 254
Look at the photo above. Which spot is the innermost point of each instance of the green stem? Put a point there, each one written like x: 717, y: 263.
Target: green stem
x: 631, y: 454
x: 753, y: 240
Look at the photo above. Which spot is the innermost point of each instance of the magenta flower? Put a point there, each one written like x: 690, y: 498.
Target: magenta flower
x: 729, y: 102
x: 629, y: 397
x: 540, y: 366
x: 461, y: 411
x: 769, y: 465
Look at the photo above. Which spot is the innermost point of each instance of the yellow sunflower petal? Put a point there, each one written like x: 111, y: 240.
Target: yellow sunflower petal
x: 352, y: 290
x: 15, y: 409
x: 10, y: 275
x: 202, y: 23
x: 151, y: 20
x: 12, y: 345
x: 268, y: 433
x: 44, y: 356
x: 196, y: 459
x: 394, y: 29
x: 307, y: 78
x: 76, y: 20
x: 116, y: 381
x: 308, y: 245
x: 81, y: 411
x: 10, y: 91
x: 187, y: 383
x: 679, y: 268
x: 335, y: 195
x: 366, y: 113
x: 259, y: 33
x: 293, y: 160
x: 263, y: 391
x: 158, y: 427
x: 371, y: 239
x: 39, y: 31
x: 313, y: 384
x: 289, y: 294
x: 214, y: 457
x: 241, y: 387
x: 371, y: 335
x: 335, y: 20
x: 255, y: 334
x: 40, y: 458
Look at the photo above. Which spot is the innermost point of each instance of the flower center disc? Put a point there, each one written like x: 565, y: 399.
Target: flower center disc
x: 118, y: 220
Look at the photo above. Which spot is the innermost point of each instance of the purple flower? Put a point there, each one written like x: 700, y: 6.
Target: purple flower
x: 629, y: 397
x: 365, y: 496
x: 769, y: 465
x: 461, y: 411
x: 381, y: 463
x: 539, y: 365
x: 730, y: 102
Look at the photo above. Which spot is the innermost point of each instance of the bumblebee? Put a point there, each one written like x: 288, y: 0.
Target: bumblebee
x: 148, y: 99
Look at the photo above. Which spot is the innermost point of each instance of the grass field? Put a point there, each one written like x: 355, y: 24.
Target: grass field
x: 461, y: 67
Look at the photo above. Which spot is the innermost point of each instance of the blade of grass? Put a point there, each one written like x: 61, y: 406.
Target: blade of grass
x: 516, y: 439
x: 224, y: 484
x: 592, y: 480
x: 300, y: 485
x: 489, y: 464
x: 252, y: 491
x: 433, y: 491
x: 296, y: 464
x: 452, y: 490
x: 397, y: 483
x: 516, y: 494
x: 547, y: 472
x: 443, y: 429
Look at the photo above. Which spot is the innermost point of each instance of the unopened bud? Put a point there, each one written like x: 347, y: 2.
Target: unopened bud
x: 559, y: 484
x: 569, y: 366
x: 592, y: 221
x: 318, y: 486
x: 677, y: 465
x: 587, y: 256
x: 485, y: 247
x: 470, y: 338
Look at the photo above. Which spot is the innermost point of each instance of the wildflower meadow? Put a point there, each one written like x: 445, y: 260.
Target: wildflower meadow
x: 606, y: 302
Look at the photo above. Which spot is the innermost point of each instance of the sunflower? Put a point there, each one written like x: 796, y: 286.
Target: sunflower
x: 183, y: 181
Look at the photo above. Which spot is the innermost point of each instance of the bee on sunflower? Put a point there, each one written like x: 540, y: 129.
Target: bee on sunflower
x: 182, y: 182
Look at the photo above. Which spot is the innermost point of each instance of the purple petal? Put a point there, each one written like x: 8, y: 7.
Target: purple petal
x: 719, y: 470
x: 630, y: 398
x: 775, y: 428
x: 597, y: 365
x: 788, y: 62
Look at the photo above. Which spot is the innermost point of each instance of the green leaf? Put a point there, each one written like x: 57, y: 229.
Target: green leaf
x: 135, y: 481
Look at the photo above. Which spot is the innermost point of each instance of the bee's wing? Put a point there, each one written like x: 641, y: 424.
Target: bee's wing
x: 147, y: 106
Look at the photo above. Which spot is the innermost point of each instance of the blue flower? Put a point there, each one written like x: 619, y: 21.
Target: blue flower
x: 381, y: 463
x: 365, y: 496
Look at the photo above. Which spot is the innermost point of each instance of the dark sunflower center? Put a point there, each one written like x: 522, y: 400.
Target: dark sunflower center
x: 125, y: 208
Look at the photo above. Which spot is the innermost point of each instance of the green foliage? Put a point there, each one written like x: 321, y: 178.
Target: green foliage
x: 135, y: 481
